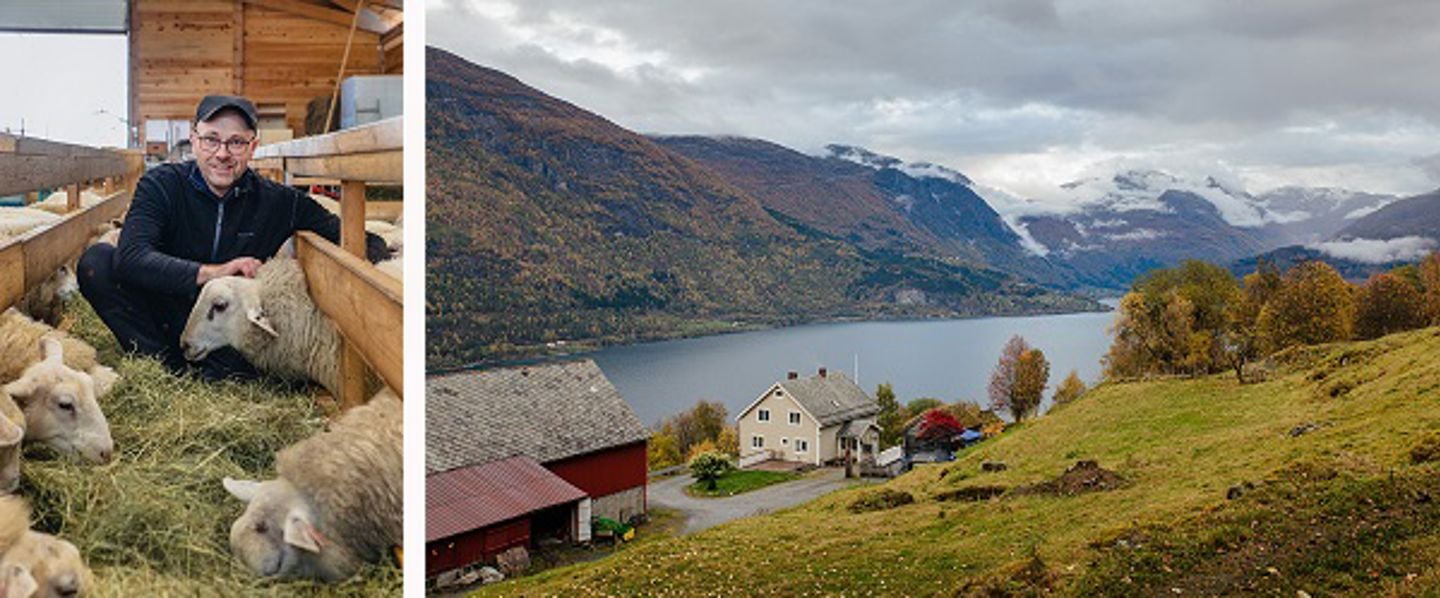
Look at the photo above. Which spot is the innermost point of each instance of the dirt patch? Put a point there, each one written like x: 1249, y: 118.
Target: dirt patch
x: 881, y: 500
x: 1426, y: 451
x: 1082, y: 477
x: 971, y: 493
x: 1029, y: 578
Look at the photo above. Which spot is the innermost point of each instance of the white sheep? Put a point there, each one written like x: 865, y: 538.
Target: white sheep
x: 46, y: 301
x: 18, y: 221
x: 34, y: 563
x: 336, y: 504
x: 60, y: 406
x: 271, y: 320
x: 57, y: 202
x: 12, y: 431
x: 20, y: 347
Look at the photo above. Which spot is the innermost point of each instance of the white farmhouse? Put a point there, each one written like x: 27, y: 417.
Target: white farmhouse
x: 809, y: 420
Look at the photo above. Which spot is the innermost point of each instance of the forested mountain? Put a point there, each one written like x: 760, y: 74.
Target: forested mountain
x: 547, y: 223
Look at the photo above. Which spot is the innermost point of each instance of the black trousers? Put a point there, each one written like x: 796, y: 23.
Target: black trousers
x: 150, y: 323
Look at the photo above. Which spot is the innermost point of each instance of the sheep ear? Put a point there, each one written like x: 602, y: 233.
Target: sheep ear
x: 104, y: 378
x: 21, y: 389
x: 258, y: 318
x: 18, y: 582
x: 301, y: 534
x: 10, y: 432
x: 245, y: 490
x: 53, y: 350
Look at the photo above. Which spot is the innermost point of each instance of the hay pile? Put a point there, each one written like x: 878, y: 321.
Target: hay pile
x: 156, y: 520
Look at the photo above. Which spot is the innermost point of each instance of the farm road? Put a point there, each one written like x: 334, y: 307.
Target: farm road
x: 702, y: 513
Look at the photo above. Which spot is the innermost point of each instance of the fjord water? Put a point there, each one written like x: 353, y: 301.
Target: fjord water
x: 944, y: 359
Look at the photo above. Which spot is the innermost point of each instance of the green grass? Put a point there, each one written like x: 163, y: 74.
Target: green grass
x: 739, y: 482
x: 1351, y: 484
x: 155, y: 521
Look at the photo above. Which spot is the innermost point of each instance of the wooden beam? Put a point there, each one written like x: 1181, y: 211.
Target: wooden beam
x: 379, y: 167
x: 22, y: 173
x: 320, y: 13
x: 365, y: 303
x: 33, y: 257
x: 238, y: 78
x: 12, y: 273
x: 388, y: 134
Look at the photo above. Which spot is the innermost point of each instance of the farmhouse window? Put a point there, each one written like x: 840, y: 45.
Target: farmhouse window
x: 757, y: 441
x: 794, y: 418
x: 763, y: 416
x: 801, y: 445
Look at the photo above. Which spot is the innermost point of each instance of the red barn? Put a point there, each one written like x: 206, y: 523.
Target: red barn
x: 507, y: 451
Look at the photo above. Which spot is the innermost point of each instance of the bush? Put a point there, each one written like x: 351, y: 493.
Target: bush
x: 709, y: 466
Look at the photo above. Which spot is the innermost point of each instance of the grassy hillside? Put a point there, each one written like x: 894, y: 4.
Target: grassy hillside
x: 1330, y: 500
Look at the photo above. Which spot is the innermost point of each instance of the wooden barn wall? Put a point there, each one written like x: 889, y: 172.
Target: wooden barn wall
x: 181, y: 50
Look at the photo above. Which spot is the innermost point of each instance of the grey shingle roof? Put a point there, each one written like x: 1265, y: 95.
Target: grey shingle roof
x: 855, y: 428
x: 545, y: 412
x: 831, y: 398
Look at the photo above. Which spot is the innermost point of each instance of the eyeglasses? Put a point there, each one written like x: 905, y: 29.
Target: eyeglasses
x: 211, y: 143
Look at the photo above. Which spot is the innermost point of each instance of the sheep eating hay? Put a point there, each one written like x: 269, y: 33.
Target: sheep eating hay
x: 271, y: 320
x: 55, y: 379
x: 337, y: 503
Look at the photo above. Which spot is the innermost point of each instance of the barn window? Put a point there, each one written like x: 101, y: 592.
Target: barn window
x: 801, y: 445
x: 763, y: 416
x: 757, y: 441
x: 794, y: 418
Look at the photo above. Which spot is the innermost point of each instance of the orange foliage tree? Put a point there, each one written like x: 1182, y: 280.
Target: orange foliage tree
x: 1386, y: 304
x: 1314, y: 305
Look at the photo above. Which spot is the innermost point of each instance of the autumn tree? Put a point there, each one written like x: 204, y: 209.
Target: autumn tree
x: 728, y: 441
x: 891, y: 418
x: 702, y: 422
x: 1174, y: 321
x: 1314, y: 305
x: 1388, y: 303
x: 1430, y: 283
x: 1018, y: 382
x: 663, y: 450
x: 917, y: 407
x: 1002, y: 378
x: 1032, y: 373
x: 1070, y: 389
x: 936, y: 424
x: 1241, y: 340
x: 970, y: 415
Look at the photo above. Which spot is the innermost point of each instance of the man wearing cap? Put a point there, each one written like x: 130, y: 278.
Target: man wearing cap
x: 192, y: 222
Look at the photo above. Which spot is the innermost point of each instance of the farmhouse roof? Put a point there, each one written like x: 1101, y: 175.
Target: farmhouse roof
x: 545, y: 412
x: 468, y: 498
x: 831, y: 398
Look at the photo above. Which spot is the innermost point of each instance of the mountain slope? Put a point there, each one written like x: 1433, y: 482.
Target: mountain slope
x: 1413, y: 216
x: 548, y: 223
x: 1329, y: 501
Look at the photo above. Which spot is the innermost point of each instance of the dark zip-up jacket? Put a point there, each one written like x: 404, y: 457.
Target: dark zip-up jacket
x: 176, y: 223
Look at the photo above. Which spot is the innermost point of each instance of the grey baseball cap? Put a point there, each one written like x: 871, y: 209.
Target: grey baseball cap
x: 213, y: 104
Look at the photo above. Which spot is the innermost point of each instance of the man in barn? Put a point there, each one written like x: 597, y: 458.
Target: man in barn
x: 192, y: 222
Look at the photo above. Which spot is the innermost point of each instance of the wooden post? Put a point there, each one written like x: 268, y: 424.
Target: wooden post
x: 72, y: 201
x: 31, y: 197
x: 109, y: 186
x: 352, y: 240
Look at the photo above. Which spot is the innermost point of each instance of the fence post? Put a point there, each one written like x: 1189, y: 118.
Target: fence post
x: 352, y: 240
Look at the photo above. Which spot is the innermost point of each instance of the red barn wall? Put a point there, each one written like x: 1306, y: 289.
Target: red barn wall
x: 605, y: 472
x: 475, y: 545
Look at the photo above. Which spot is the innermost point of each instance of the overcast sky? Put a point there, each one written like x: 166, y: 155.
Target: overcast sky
x: 1018, y: 94
x: 57, y: 85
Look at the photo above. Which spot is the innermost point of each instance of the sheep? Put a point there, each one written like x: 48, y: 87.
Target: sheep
x: 270, y: 320
x: 337, y: 502
x: 34, y: 563
x: 46, y: 301
x: 12, y: 431
x: 394, y: 266
x: 60, y: 407
x: 58, y: 202
x: 20, y: 347
x: 18, y: 221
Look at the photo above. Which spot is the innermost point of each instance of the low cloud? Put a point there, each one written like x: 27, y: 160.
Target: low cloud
x: 1377, y: 251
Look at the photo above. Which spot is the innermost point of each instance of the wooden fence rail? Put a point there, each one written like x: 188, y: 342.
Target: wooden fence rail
x: 364, y: 302
x: 27, y: 165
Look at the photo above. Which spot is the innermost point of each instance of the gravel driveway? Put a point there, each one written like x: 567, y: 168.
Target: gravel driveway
x: 702, y: 513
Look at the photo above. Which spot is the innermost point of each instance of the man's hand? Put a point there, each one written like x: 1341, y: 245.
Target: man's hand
x: 242, y: 266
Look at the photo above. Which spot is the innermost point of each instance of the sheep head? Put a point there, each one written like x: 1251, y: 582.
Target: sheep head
x: 60, y: 407
x: 276, y: 535
x: 228, y: 309
x: 42, y: 565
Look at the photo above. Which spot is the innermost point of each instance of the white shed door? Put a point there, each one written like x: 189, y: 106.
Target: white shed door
x: 583, y: 533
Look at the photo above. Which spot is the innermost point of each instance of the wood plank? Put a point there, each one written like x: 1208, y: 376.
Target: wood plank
x: 326, y: 15
x: 388, y: 211
x: 365, y: 303
x: 378, y: 136
x: 352, y: 217
x: 21, y: 173
x: 352, y: 377
x: 34, y: 146
x: 12, y: 273
x: 378, y: 167
x: 48, y: 249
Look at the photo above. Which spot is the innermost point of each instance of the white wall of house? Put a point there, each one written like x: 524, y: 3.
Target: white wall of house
x: 790, y: 433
